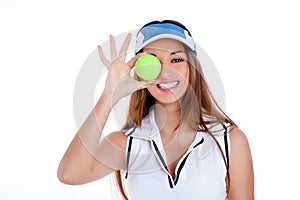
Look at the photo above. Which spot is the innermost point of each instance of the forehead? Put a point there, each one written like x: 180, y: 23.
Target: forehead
x: 169, y: 45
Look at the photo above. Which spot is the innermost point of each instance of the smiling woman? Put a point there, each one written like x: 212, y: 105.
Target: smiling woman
x: 176, y: 140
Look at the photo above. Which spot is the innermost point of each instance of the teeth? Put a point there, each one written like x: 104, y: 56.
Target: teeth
x: 168, y: 85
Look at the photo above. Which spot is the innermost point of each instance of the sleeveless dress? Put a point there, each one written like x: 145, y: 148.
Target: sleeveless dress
x: 199, y: 174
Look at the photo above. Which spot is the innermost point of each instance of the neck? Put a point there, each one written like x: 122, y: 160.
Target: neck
x: 167, y: 117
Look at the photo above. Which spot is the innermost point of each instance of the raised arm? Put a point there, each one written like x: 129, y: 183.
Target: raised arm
x: 85, y: 159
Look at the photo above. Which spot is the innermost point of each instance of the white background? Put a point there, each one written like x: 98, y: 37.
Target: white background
x: 43, y: 44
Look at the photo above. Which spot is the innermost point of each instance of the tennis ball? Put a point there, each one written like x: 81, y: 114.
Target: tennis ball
x: 147, y: 67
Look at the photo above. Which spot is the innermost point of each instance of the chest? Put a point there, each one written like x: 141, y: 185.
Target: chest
x: 194, y: 175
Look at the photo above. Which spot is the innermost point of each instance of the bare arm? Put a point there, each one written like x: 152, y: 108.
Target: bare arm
x: 241, y: 167
x: 86, y: 159
x: 81, y: 164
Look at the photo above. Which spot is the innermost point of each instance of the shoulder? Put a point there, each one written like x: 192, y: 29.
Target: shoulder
x: 238, y: 138
x: 118, y: 138
x: 110, y: 152
x: 240, y: 167
x: 239, y: 147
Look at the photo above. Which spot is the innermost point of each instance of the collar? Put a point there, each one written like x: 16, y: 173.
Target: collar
x: 148, y: 130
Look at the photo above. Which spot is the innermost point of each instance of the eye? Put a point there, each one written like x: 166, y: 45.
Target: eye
x: 176, y: 60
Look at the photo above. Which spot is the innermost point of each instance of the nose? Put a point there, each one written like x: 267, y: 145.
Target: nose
x: 167, y: 72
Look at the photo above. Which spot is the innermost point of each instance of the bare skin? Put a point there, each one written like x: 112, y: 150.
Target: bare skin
x: 85, y: 159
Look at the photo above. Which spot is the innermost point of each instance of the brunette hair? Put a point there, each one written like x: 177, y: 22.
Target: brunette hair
x: 199, y: 107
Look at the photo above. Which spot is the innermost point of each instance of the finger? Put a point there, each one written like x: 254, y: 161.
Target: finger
x: 104, y: 60
x: 144, y: 84
x: 124, y: 47
x: 133, y: 60
x: 113, y: 51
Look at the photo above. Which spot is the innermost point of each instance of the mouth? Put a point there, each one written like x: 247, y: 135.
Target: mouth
x: 169, y: 85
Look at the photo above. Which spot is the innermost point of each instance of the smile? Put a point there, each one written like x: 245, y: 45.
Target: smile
x: 168, y: 85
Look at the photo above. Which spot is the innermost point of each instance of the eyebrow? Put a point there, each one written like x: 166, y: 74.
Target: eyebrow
x: 172, y: 53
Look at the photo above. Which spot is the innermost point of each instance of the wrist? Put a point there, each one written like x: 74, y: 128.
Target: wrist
x: 109, y: 99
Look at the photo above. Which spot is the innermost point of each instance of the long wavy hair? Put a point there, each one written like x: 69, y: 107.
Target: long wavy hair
x: 198, y: 107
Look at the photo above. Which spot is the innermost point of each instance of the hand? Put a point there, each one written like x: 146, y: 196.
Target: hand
x: 119, y: 83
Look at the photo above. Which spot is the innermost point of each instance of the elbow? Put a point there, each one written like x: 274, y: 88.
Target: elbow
x: 65, y: 176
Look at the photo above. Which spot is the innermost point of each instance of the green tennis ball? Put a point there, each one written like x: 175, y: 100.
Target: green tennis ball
x: 147, y: 67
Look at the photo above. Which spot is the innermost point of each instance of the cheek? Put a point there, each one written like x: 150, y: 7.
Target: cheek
x: 184, y: 72
x: 187, y: 73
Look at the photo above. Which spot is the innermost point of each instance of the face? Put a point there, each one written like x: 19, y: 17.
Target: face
x: 172, y: 82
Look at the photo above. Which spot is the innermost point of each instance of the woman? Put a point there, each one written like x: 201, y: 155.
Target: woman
x: 177, y: 143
